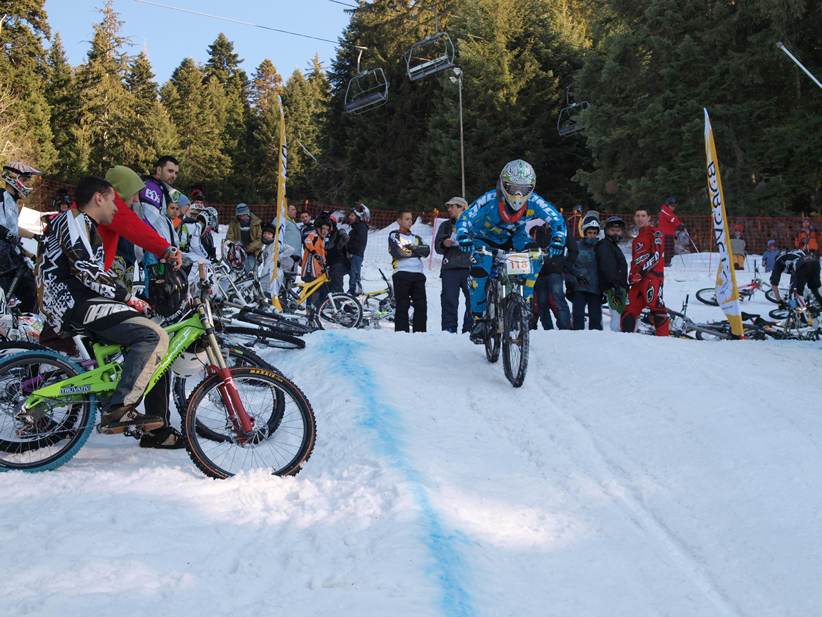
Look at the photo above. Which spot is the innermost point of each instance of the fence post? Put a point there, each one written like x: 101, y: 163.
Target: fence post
x: 433, y: 237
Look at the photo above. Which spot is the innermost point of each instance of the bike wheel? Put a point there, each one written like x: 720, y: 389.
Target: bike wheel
x: 769, y: 294
x: 282, y: 450
x: 779, y: 313
x: 263, y: 336
x: 492, y: 326
x: 273, y: 322
x: 339, y: 310
x: 235, y: 356
x: 10, y: 348
x: 707, y: 296
x: 51, y: 433
x: 515, y: 339
x: 719, y: 333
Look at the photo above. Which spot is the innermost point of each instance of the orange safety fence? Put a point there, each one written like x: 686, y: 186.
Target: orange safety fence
x: 699, y: 240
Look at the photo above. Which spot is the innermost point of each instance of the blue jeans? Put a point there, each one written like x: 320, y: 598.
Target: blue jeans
x: 454, y: 282
x: 354, y: 274
x: 593, y: 301
x: 250, y: 263
x: 550, y: 286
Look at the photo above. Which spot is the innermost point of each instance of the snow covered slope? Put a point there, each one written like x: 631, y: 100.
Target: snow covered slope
x: 630, y: 476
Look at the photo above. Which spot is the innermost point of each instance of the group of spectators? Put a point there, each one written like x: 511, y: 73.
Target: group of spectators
x: 586, y: 271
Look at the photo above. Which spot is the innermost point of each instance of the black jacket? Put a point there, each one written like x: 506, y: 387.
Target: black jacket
x: 336, y: 246
x: 452, y: 256
x: 562, y: 263
x: 613, y: 267
x: 358, y: 238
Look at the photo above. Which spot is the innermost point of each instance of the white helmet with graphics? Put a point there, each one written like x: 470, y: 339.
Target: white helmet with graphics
x: 18, y: 176
x: 516, y: 182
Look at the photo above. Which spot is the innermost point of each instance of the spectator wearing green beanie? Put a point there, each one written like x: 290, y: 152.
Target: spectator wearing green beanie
x: 126, y: 182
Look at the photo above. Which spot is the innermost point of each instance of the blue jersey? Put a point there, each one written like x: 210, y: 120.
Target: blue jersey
x: 483, y: 218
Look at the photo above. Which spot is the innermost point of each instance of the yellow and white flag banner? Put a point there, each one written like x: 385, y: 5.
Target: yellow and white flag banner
x: 282, y: 204
x: 727, y: 293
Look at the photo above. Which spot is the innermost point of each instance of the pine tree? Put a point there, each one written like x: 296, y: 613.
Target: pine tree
x: 22, y: 73
x: 60, y: 91
x: 148, y: 121
x: 652, y: 70
x: 266, y: 85
x: 305, y: 101
x: 106, y: 103
x: 198, y: 112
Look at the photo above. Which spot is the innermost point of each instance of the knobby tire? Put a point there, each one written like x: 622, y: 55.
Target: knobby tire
x: 515, y: 340
x: 283, y: 450
x: 57, y: 430
x: 492, y: 314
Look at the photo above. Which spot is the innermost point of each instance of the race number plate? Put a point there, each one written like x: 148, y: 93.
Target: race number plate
x: 518, y: 263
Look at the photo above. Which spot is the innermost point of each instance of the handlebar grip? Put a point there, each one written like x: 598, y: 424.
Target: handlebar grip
x: 202, y: 268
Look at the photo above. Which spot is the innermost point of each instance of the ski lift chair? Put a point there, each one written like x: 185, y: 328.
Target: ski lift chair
x: 366, y: 90
x: 429, y: 56
x: 568, y: 121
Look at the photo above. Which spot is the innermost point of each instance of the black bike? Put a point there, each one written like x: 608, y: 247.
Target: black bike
x: 508, y: 315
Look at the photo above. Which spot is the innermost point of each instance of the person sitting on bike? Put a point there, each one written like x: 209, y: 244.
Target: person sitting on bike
x: 497, y: 220
x: 785, y: 262
x: 75, y: 290
x: 17, y: 177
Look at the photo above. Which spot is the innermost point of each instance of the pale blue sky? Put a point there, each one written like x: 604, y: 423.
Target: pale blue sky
x: 169, y: 36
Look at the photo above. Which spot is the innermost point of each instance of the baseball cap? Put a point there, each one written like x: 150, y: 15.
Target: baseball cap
x: 457, y: 201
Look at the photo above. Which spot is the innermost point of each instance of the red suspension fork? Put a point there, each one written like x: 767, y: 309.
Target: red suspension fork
x: 243, y: 423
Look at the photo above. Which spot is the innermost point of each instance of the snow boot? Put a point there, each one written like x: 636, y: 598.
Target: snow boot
x: 165, y: 438
x: 477, y: 335
x: 116, y: 421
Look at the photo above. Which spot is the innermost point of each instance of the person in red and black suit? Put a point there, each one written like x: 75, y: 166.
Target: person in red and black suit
x: 647, y: 276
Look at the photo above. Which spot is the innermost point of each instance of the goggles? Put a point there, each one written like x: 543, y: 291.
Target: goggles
x: 523, y: 190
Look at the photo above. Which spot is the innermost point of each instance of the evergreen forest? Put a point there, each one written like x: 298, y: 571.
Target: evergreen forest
x: 640, y: 72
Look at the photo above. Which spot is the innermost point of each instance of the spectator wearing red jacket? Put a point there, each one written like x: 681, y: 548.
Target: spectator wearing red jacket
x: 127, y: 184
x: 668, y: 224
x: 647, y: 276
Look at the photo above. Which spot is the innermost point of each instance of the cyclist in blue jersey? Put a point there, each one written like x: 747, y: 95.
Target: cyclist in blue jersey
x: 497, y: 220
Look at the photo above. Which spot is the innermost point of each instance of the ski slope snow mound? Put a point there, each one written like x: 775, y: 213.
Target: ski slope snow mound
x: 630, y: 475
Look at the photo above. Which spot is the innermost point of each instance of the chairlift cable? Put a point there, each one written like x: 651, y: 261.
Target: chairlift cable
x: 246, y: 23
x: 306, y: 150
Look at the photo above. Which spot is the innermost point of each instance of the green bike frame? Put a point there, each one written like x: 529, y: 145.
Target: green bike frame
x: 107, y: 374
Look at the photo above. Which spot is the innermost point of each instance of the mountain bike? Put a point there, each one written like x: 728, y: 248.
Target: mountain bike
x: 338, y: 310
x: 746, y: 292
x: 237, y: 419
x: 801, y: 318
x: 508, y: 316
x: 378, y: 305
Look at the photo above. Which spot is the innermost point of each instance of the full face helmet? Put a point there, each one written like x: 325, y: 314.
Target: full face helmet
x: 362, y: 212
x: 618, y: 226
x: 61, y: 200
x: 209, y: 220
x: 516, y: 183
x: 236, y: 257
x: 19, y: 175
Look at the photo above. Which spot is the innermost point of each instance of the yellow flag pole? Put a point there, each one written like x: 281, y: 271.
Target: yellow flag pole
x: 282, y: 206
x: 727, y: 293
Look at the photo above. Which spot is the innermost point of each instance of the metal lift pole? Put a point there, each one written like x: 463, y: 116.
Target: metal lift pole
x: 798, y: 63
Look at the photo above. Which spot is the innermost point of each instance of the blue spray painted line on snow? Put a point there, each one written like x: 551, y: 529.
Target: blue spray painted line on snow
x: 449, y: 567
